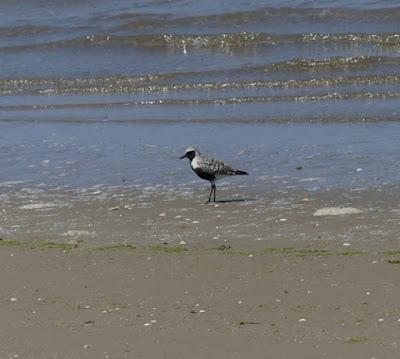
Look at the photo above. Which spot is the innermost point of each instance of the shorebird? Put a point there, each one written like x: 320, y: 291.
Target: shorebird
x: 209, y: 168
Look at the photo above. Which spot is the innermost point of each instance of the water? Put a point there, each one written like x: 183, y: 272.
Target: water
x: 110, y: 92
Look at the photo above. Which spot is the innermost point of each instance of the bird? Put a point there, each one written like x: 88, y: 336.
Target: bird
x: 209, y: 169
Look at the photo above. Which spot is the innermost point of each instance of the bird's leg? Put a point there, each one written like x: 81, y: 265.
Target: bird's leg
x: 215, y: 189
x: 212, y: 188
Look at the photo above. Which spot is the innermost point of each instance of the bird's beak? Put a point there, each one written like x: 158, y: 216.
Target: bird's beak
x: 182, y: 156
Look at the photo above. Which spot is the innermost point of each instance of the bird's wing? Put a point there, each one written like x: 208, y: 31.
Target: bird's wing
x: 216, y: 167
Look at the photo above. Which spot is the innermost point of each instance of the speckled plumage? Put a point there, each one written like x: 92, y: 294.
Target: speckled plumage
x: 212, y: 167
x: 209, y: 168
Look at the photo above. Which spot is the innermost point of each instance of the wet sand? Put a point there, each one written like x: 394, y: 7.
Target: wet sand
x: 117, y: 273
x: 243, y: 219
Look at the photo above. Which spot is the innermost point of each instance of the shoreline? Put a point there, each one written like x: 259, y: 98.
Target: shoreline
x: 119, y: 216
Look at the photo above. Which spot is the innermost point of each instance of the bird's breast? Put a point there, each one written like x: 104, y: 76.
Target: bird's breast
x: 194, y: 164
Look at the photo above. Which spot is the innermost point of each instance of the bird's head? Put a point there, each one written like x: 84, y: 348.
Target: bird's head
x: 190, y: 153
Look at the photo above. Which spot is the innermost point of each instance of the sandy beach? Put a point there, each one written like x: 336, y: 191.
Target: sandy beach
x: 125, y: 303
x: 110, y: 274
x: 107, y: 247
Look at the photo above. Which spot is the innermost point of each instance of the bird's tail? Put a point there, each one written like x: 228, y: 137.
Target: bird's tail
x: 238, y: 172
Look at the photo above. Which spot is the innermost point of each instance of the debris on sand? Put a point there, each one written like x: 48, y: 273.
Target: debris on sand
x: 337, y: 211
x: 38, y: 205
x: 77, y: 232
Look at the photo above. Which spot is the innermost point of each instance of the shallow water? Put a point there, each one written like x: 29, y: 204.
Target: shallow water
x: 100, y: 92
x: 331, y: 155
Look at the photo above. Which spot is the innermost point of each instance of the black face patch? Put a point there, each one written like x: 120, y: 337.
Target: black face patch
x: 190, y: 154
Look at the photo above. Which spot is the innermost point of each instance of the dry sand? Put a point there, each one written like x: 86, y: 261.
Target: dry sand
x: 258, y: 279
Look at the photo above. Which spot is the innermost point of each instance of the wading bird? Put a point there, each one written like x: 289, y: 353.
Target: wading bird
x: 209, y: 168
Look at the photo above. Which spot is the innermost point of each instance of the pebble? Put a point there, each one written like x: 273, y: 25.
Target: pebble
x: 202, y: 311
x: 251, y: 255
x: 302, y: 320
x: 359, y: 169
x: 195, y: 222
x: 114, y: 208
x: 13, y: 299
x: 182, y: 242
x: 381, y: 320
x: 147, y: 324
x: 162, y: 215
x: 346, y: 244
x: 87, y: 346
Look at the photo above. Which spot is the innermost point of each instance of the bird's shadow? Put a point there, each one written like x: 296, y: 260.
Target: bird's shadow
x: 236, y: 200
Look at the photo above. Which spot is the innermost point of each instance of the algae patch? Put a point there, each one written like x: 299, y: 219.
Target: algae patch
x: 37, y: 245
x: 11, y: 243
x: 62, y: 246
x: 115, y: 247
x: 393, y: 261
x: 307, y: 252
x: 247, y: 322
x: 356, y: 340
x: 166, y: 249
